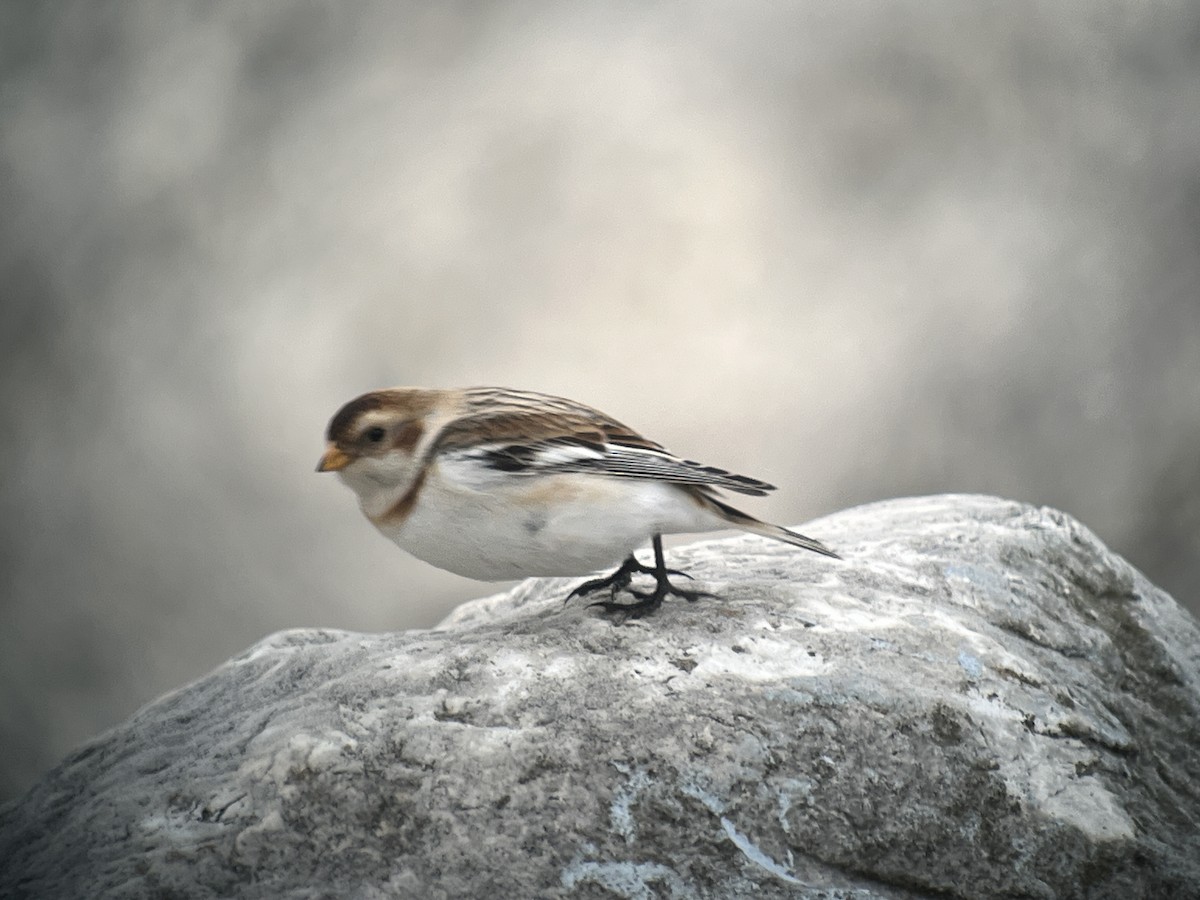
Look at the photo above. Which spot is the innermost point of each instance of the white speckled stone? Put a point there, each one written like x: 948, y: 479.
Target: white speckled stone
x: 979, y: 701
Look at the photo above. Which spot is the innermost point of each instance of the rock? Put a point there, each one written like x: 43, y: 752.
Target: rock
x: 980, y: 701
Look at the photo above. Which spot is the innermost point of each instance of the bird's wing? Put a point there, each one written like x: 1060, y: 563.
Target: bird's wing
x: 523, y: 433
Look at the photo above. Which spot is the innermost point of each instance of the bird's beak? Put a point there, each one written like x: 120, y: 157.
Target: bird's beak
x: 334, y: 460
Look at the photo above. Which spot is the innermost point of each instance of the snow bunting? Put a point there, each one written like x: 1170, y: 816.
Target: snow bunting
x: 498, y: 484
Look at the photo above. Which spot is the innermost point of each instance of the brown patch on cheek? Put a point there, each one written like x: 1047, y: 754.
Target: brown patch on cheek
x: 407, y: 436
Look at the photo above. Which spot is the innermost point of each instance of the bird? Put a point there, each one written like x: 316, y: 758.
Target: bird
x: 497, y: 484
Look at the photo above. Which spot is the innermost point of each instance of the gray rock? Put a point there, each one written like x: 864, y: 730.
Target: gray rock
x: 980, y: 701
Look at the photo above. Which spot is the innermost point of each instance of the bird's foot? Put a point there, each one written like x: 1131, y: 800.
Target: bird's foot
x: 646, y: 602
x: 649, y: 601
x: 619, y: 580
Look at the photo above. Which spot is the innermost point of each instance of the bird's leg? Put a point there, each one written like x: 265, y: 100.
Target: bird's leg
x: 620, y: 579
x: 649, y: 601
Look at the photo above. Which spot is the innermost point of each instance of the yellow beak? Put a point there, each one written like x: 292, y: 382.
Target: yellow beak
x: 333, y: 460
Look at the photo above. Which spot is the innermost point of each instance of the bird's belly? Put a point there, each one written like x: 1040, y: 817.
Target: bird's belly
x: 563, y: 525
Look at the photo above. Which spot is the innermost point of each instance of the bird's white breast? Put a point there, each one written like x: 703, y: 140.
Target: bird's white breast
x: 517, y: 526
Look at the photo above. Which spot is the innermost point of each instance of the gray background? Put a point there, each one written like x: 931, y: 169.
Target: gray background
x: 858, y: 249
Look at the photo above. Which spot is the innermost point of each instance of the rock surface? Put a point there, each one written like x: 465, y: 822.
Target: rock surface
x: 979, y: 701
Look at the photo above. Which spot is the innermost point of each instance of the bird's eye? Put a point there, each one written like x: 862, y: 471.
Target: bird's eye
x: 376, y: 434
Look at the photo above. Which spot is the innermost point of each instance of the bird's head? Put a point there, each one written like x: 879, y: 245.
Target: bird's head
x: 375, y: 441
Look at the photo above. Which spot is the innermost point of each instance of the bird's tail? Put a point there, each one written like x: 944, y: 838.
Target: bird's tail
x: 739, y: 519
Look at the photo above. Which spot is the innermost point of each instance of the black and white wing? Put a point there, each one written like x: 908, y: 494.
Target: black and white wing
x: 527, y: 434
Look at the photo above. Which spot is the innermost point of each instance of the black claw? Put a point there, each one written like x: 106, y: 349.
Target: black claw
x: 647, y: 601
x: 615, y: 582
x: 590, y: 587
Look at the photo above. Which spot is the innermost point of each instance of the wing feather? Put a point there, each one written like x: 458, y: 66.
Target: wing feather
x: 525, y: 433
x: 633, y: 462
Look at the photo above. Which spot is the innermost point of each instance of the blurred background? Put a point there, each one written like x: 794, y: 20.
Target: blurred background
x: 858, y: 249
